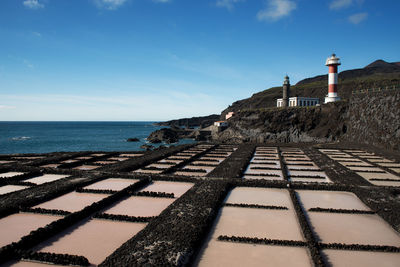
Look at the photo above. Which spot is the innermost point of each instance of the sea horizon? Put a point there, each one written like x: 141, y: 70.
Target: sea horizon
x: 74, y: 136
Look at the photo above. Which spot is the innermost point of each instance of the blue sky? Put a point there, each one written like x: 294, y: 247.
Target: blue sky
x: 164, y: 59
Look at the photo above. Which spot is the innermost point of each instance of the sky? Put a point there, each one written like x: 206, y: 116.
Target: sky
x: 155, y: 60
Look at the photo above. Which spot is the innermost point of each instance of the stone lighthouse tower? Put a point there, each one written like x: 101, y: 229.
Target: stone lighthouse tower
x: 286, y: 92
x: 332, y: 62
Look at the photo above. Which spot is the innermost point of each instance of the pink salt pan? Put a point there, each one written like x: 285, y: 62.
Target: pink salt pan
x: 46, y: 178
x: 218, y: 253
x: 72, y: 202
x: 10, y: 174
x: 140, y: 206
x: 94, y: 239
x: 365, y: 229
x: 261, y: 223
x: 15, y: 226
x: 330, y: 200
x: 169, y: 187
x: 260, y: 196
x: 112, y: 184
x: 30, y: 264
x: 86, y: 167
x: 345, y: 258
x: 11, y: 188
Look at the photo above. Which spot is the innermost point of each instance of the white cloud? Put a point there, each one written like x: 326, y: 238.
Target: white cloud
x: 228, y: 4
x: 341, y: 4
x: 109, y: 4
x: 6, y: 107
x: 37, y: 34
x: 358, y: 18
x: 28, y: 64
x: 276, y: 9
x: 33, y: 4
x: 162, y: 1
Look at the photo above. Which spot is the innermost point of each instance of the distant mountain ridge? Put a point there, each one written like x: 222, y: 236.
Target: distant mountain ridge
x: 378, y: 66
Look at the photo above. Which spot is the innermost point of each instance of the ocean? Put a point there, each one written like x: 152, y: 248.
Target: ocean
x: 44, y: 137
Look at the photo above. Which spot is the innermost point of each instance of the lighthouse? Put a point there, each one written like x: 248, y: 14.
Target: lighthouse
x: 332, y: 62
x: 286, y: 92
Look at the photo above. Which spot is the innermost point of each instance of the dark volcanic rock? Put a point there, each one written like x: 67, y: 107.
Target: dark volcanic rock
x: 134, y: 139
x: 147, y: 147
x: 193, y: 122
x: 166, y: 135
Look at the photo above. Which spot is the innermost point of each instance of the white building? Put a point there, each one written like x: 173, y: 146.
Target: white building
x: 221, y: 123
x: 299, y: 101
x: 229, y: 115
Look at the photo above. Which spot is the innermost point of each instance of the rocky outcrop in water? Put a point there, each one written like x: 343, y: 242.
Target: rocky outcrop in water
x: 165, y: 135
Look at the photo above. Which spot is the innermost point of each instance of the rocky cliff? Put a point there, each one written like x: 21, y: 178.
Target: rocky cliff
x: 374, y: 119
x: 298, y: 124
x: 369, y: 118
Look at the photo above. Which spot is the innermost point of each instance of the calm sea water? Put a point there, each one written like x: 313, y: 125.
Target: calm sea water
x: 43, y: 137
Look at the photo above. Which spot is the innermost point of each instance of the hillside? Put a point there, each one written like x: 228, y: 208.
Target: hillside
x: 377, y: 74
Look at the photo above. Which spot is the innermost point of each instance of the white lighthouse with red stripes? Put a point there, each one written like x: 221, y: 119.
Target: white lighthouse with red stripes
x: 332, y: 62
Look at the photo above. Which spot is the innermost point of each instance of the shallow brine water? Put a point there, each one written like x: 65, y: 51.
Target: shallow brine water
x: 112, y: 184
x: 261, y: 223
x: 343, y: 258
x: 140, y: 206
x: 72, y: 202
x: 330, y: 200
x: 11, y: 188
x: 15, y: 226
x: 46, y: 178
x: 177, y: 188
x: 260, y: 196
x: 366, y: 229
x: 95, y: 239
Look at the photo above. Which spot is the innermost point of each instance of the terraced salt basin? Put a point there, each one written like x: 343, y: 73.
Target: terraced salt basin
x: 203, y: 162
x: 95, y: 239
x: 394, y: 180
x: 140, y: 206
x: 330, y: 200
x: 5, y: 161
x: 72, y: 202
x: 15, y: 226
x: 261, y: 223
x: 306, y: 173
x: 359, y: 163
x: 147, y: 171
x: 344, y: 258
x: 260, y: 196
x: 29, y: 264
x: 112, y: 184
x: 302, y: 167
x: 365, y: 229
x: 46, y: 178
x: 189, y: 173
x: 274, y: 165
x: 10, y: 174
x: 310, y: 179
x: 50, y: 166
x: 177, y: 188
x: 218, y: 253
x: 250, y: 222
x: 11, y: 188
x: 86, y: 167
x: 194, y: 167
